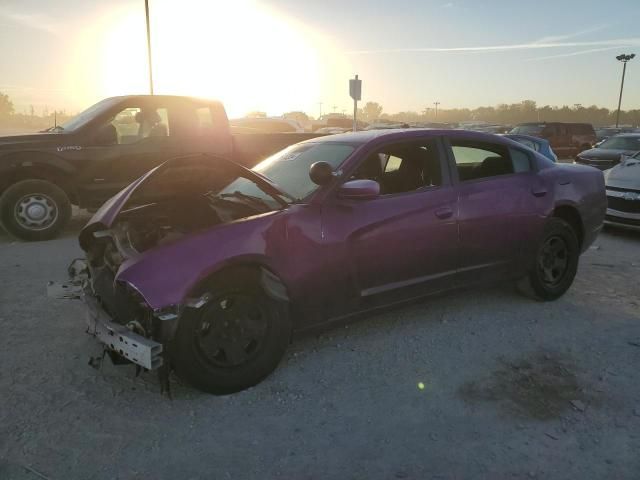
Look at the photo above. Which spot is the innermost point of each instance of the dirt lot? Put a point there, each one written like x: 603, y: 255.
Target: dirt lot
x: 484, y: 384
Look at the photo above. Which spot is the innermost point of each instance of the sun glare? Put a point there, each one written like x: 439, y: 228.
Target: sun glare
x: 248, y: 56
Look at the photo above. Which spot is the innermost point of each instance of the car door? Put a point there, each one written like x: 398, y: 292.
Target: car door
x: 498, y: 194
x: 124, y: 146
x: 401, y: 243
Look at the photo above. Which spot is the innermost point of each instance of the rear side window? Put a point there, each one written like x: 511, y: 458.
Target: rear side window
x: 520, y: 160
x: 204, y: 120
x: 476, y: 160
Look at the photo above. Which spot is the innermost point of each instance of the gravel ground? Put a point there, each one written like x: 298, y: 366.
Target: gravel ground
x: 482, y: 384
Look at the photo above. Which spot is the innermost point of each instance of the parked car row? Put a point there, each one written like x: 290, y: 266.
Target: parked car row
x: 566, y: 139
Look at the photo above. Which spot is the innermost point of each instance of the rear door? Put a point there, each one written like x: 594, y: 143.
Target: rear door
x: 401, y: 243
x: 127, y: 144
x: 497, y: 196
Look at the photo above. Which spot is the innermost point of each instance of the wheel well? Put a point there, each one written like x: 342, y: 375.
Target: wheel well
x: 572, y: 217
x: 271, y: 282
x: 40, y: 172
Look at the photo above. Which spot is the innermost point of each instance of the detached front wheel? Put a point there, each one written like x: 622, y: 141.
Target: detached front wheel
x: 556, y: 262
x: 236, y: 339
x: 34, y: 210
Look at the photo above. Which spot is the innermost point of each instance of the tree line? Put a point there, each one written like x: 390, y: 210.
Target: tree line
x: 28, y: 121
x: 504, y: 114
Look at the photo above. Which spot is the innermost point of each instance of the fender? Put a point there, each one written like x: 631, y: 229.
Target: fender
x: 13, y: 162
x: 270, y: 280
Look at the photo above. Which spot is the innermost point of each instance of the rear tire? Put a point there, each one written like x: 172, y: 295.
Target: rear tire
x: 234, y: 341
x: 34, y: 210
x: 556, y: 262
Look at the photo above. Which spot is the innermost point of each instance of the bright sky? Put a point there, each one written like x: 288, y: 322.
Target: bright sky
x: 283, y: 55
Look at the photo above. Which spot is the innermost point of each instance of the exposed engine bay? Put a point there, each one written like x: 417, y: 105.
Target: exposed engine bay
x: 141, y: 228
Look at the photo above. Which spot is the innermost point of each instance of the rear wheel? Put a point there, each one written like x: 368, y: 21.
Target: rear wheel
x: 556, y: 262
x: 236, y: 339
x: 34, y: 210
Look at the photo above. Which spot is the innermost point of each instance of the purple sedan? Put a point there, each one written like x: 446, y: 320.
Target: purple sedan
x: 206, y: 267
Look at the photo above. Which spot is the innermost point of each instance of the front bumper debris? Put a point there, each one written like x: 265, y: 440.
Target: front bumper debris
x: 118, y: 338
x: 115, y: 337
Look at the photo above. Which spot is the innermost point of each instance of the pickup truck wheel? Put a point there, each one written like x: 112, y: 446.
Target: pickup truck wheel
x: 235, y: 340
x: 556, y: 262
x: 34, y: 210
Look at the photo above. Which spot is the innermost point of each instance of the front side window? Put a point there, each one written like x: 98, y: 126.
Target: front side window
x: 133, y: 124
x: 402, y: 167
x: 479, y: 160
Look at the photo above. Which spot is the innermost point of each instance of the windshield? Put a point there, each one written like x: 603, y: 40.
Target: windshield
x: 528, y: 129
x: 89, y: 114
x: 289, y: 169
x: 621, y: 143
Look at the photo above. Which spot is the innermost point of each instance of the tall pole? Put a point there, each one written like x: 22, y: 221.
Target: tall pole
x: 436, y: 104
x: 624, y: 70
x: 624, y: 59
x: 146, y: 11
x: 355, y: 114
x: 320, y: 116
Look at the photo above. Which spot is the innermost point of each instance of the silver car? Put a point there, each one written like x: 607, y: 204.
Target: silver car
x: 623, y: 193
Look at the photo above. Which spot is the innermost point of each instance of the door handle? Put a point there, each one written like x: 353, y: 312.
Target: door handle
x: 539, y: 191
x: 444, y: 212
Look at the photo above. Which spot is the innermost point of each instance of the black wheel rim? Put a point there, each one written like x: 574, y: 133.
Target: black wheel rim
x: 231, y: 330
x: 553, y: 260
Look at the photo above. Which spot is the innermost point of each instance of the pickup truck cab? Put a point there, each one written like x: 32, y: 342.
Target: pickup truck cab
x: 88, y: 159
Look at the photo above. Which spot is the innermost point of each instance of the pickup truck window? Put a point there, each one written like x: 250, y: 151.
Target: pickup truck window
x: 89, y: 114
x: 134, y: 124
x: 205, y: 121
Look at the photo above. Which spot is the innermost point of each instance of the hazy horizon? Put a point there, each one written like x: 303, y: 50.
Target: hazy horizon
x: 284, y: 55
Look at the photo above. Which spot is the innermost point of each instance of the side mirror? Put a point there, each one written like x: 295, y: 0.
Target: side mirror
x: 106, y: 135
x: 359, y: 190
x: 320, y: 173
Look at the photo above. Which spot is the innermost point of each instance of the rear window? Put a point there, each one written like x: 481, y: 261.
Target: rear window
x: 528, y: 129
x: 582, y: 129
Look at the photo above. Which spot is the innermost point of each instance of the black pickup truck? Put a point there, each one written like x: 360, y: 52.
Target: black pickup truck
x: 91, y: 157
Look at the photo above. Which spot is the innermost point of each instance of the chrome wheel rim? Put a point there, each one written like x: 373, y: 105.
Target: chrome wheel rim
x: 36, y: 211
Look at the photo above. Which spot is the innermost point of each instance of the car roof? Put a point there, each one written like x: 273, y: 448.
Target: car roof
x: 362, y: 137
x: 526, y: 137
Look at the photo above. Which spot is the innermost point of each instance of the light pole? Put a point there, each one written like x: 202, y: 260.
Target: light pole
x: 436, y: 104
x: 320, y: 115
x: 624, y: 59
x: 146, y: 12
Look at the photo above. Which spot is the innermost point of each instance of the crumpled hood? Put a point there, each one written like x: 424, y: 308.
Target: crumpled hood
x: 108, y: 212
x: 624, y: 175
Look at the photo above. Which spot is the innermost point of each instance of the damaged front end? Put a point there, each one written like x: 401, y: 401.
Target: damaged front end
x: 132, y: 232
x: 128, y: 342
